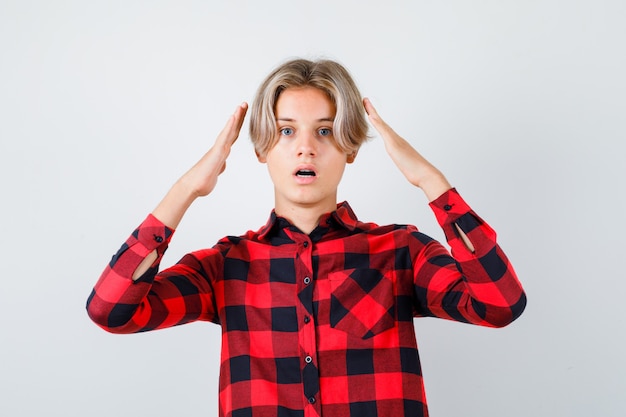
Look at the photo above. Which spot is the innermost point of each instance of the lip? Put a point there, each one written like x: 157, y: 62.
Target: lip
x: 307, y: 179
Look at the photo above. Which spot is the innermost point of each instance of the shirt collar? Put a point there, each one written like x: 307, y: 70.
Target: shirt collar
x: 343, y: 217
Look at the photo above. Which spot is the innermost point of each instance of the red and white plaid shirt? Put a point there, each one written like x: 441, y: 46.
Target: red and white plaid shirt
x: 318, y: 324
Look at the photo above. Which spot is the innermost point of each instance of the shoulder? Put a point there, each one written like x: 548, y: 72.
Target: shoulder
x: 401, y: 233
x: 249, y: 237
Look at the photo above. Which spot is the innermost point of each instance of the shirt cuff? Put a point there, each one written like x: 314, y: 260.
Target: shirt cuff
x: 153, y: 234
x: 449, y: 206
x: 452, y: 212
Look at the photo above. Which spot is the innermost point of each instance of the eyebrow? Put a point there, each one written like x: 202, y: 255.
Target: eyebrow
x: 288, y: 119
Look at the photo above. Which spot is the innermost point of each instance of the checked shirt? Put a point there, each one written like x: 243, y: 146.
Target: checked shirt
x: 318, y: 324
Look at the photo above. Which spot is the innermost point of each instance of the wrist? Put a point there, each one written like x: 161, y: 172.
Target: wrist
x: 172, y: 208
x: 185, y: 189
x: 434, y: 185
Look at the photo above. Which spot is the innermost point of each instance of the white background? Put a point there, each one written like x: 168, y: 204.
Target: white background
x: 103, y: 104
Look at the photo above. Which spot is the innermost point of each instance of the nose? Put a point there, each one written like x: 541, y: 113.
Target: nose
x: 307, y: 145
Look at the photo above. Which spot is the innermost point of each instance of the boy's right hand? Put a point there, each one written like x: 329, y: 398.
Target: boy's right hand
x: 200, y: 180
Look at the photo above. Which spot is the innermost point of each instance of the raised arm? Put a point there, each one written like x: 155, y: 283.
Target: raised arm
x: 411, y: 163
x: 131, y: 294
x: 199, y: 181
x: 476, y: 282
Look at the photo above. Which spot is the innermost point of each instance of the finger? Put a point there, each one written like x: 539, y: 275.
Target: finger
x: 230, y: 132
x: 378, y: 123
x: 369, y: 107
x: 371, y: 110
x: 236, y: 121
x: 240, y: 115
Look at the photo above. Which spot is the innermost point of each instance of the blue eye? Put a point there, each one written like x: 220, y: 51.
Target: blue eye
x: 286, y: 131
x: 325, y: 132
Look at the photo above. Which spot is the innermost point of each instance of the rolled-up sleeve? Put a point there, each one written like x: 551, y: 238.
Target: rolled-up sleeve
x: 177, y: 295
x: 476, y: 286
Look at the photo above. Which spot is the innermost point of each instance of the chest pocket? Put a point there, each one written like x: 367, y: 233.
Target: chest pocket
x: 361, y: 302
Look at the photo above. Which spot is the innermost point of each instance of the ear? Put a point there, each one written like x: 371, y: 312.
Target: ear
x: 352, y: 157
x: 262, y: 158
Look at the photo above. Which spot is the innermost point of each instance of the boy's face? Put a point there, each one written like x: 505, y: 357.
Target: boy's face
x: 305, y: 164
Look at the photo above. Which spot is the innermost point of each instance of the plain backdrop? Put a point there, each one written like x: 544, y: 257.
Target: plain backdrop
x: 104, y: 104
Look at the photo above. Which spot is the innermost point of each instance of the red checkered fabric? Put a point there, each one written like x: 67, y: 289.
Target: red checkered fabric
x: 318, y: 324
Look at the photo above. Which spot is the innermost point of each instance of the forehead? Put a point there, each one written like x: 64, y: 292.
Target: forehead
x: 304, y: 102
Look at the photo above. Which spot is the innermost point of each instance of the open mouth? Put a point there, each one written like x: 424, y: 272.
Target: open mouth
x: 305, y: 173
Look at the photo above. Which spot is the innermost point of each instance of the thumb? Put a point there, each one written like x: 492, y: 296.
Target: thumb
x: 373, y: 115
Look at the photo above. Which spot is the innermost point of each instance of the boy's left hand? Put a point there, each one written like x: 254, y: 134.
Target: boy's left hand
x: 411, y: 163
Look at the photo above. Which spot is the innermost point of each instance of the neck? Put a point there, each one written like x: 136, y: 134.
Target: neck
x: 304, y: 218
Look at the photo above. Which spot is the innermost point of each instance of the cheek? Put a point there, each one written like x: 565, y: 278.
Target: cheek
x: 338, y: 167
x: 275, y: 162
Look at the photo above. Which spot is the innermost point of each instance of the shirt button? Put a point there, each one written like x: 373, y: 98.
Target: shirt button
x: 307, y: 281
x: 308, y: 359
x: 447, y: 207
x: 306, y: 319
x: 159, y: 239
x: 312, y: 400
x: 306, y: 244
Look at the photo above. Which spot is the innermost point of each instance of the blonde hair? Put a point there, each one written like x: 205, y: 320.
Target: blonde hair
x: 350, y: 125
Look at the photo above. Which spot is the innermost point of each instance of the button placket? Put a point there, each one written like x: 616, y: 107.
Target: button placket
x: 310, y: 373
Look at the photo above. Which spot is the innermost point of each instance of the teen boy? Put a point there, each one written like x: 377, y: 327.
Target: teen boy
x: 316, y: 307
